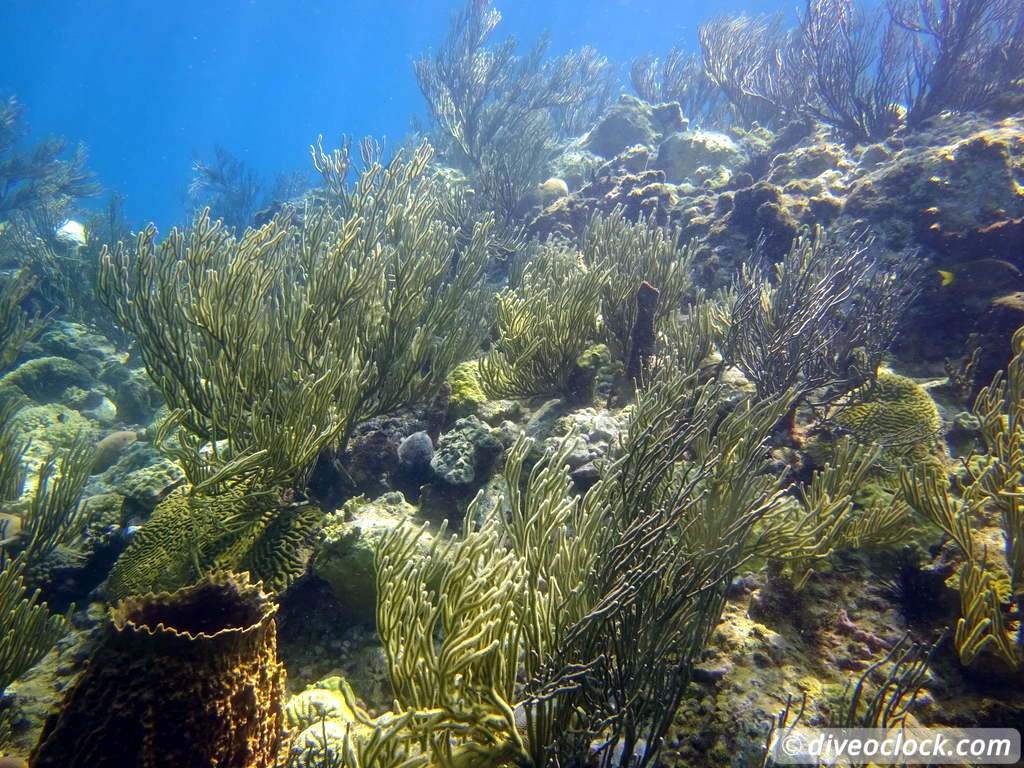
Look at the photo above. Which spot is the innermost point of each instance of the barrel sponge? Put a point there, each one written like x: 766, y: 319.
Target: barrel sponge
x: 189, y: 535
x: 177, y: 678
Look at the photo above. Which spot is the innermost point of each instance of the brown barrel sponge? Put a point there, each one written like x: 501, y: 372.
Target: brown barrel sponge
x: 185, y: 678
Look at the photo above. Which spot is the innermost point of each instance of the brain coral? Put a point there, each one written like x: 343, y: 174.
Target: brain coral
x: 896, y: 413
x: 188, y: 536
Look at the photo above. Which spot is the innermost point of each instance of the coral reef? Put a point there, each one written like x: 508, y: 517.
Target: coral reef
x: 641, y: 194
x: 226, y: 186
x: 679, y: 77
x: 579, y: 441
x: 954, y: 179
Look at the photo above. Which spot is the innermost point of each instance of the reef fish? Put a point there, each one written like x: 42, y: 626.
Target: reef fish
x: 71, y: 233
x: 988, y: 277
x: 110, y: 448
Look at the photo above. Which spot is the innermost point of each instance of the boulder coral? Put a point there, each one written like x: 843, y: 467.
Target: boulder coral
x: 345, y: 551
x: 633, y: 121
x: 698, y: 155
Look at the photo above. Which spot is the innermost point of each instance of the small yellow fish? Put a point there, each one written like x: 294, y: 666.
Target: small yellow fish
x: 983, y: 277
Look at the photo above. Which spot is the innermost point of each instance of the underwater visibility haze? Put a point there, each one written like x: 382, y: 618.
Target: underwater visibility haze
x: 619, y: 383
x: 150, y: 87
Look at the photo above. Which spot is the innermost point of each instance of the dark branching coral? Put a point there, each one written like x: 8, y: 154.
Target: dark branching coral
x: 496, y: 111
x: 834, y: 65
x: 856, y: 61
x: 226, y: 186
x: 17, y: 326
x: 965, y: 54
x: 750, y: 59
x: 683, y: 499
x: 278, y: 341
x: 852, y: 67
x: 183, y: 678
x: 883, y: 696
x: 680, y: 77
x: 37, y: 186
x: 824, y: 317
x: 890, y: 704
x: 933, y: 55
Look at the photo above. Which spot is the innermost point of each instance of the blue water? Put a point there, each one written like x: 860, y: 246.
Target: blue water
x: 150, y: 84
